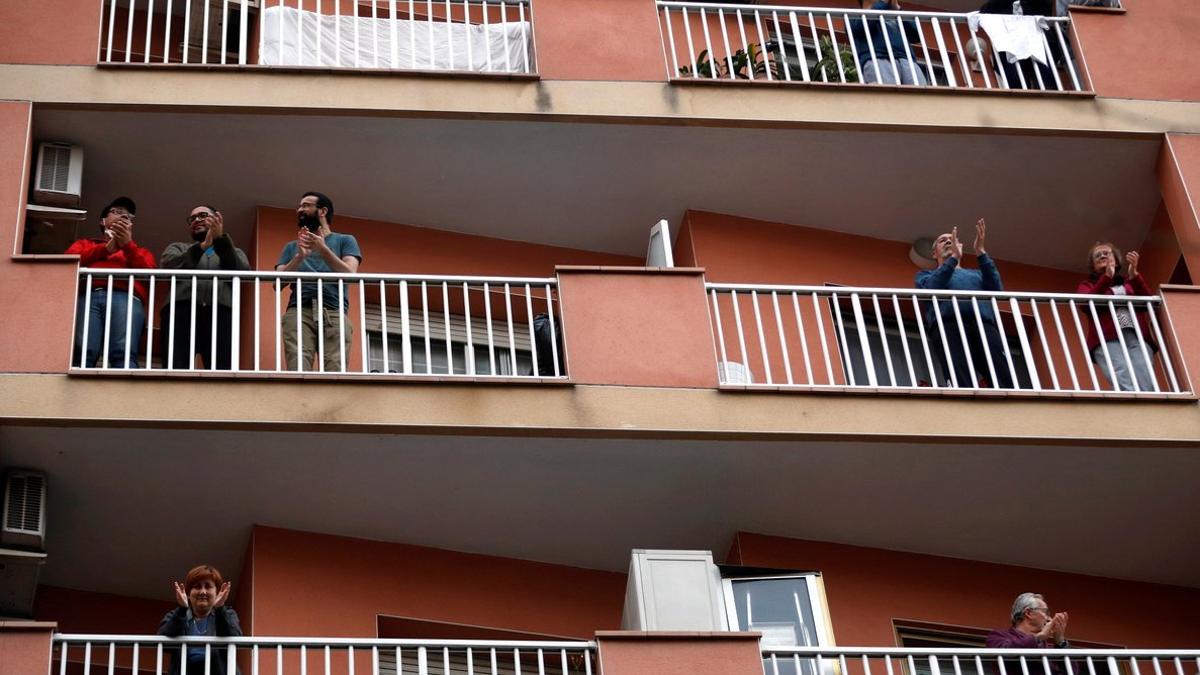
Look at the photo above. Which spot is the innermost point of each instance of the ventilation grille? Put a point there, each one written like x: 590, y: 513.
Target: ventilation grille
x: 23, y: 503
x: 56, y: 167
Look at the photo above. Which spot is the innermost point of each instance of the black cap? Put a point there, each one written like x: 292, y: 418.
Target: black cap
x: 123, y: 202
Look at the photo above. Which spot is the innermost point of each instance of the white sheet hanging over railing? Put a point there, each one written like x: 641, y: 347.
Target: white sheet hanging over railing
x: 293, y: 37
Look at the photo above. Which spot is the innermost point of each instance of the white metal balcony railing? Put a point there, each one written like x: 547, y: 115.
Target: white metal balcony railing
x: 479, y: 36
x: 417, y: 325
x: 113, y: 654
x: 711, y: 41
x: 918, y: 340
x: 970, y: 661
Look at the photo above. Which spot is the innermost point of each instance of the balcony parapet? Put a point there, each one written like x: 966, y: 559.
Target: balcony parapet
x: 720, y: 42
x: 292, y: 655
x: 413, y: 326
x: 973, y: 661
x: 478, y: 37
x: 917, y: 341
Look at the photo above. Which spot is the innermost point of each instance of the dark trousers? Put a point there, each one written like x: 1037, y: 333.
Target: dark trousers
x: 180, y: 314
x: 1028, y: 68
x: 974, y: 350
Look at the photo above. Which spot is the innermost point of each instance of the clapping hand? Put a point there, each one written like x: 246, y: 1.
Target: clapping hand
x: 216, y: 229
x: 181, y: 595
x: 980, y: 235
x: 956, y: 244
x: 222, y: 596
x: 1131, y: 264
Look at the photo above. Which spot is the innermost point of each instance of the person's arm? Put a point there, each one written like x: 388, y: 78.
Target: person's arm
x: 138, y: 257
x: 172, y: 624
x: 1101, y: 285
x: 290, y: 258
x: 344, y: 260
x: 990, y: 273
x: 179, y: 256
x: 1138, y: 283
x: 89, y: 252
x: 227, y: 622
x: 938, y: 279
x: 1007, y: 639
x: 231, y: 257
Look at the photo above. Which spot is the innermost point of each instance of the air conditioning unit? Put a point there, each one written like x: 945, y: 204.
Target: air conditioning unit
x: 24, y: 522
x: 59, y: 177
x: 673, y: 590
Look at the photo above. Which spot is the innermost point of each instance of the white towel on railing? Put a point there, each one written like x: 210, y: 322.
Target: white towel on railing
x: 290, y: 39
x: 1018, y: 36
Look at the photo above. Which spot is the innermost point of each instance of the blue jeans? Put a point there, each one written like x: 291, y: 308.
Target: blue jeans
x: 1127, y: 369
x: 880, y: 70
x: 116, y: 331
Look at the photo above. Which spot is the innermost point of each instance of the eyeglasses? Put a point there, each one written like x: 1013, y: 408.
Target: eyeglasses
x: 308, y: 205
x: 196, y: 217
x: 1044, y: 610
x: 121, y: 212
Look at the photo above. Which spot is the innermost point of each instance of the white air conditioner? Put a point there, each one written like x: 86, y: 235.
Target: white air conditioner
x: 24, y: 522
x: 59, y: 177
x: 674, y: 590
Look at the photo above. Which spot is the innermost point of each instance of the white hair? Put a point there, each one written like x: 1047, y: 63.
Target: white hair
x: 1023, y: 602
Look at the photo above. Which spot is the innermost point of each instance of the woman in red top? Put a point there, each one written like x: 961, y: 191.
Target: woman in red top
x: 114, y: 250
x: 1134, y: 358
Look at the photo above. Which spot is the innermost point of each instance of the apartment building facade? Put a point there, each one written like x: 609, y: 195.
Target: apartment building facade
x: 637, y: 378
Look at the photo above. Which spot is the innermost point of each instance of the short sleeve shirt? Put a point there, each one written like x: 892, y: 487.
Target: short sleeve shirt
x: 342, y: 245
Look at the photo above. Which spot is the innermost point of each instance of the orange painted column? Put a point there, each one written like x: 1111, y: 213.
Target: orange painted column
x: 60, y: 32
x: 598, y: 40
x: 37, y: 296
x: 1179, y: 181
x: 1182, y: 304
x: 682, y: 653
x: 637, y: 327
x: 25, y: 647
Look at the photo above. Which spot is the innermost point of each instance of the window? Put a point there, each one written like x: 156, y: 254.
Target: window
x: 921, y: 635
x: 789, y: 611
x: 465, y: 357
x: 856, y: 360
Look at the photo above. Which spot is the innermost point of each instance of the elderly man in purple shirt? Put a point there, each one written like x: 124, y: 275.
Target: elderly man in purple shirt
x: 1033, y: 627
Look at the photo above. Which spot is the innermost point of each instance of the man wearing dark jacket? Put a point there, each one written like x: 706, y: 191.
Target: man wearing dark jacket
x: 211, y: 248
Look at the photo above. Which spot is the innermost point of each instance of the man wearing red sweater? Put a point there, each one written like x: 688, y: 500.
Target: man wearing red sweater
x: 113, y: 249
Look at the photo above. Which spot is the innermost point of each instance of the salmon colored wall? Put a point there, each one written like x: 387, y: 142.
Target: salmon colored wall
x: 25, y: 647
x: 867, y: 588
x: 37, y: 299
x: 244, y: 598
x: 742, y: 250
x: 405, y: 249
x: 1183, y: 309
x: 53, y: 32
x: 1179, y: 181
x: 636, y: 328
x: 313, y: 584
x: 598, y: 40
x: 680, y: 654
x: 392, y: 248
x: 1141, y: 53
x: 1160, y: 250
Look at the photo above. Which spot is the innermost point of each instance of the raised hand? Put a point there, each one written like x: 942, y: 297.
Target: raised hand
x: 980, y: 235
x: 222, y: 595
x: 956, y: 244
x: 181, y: 596
x: 1131, y: 263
